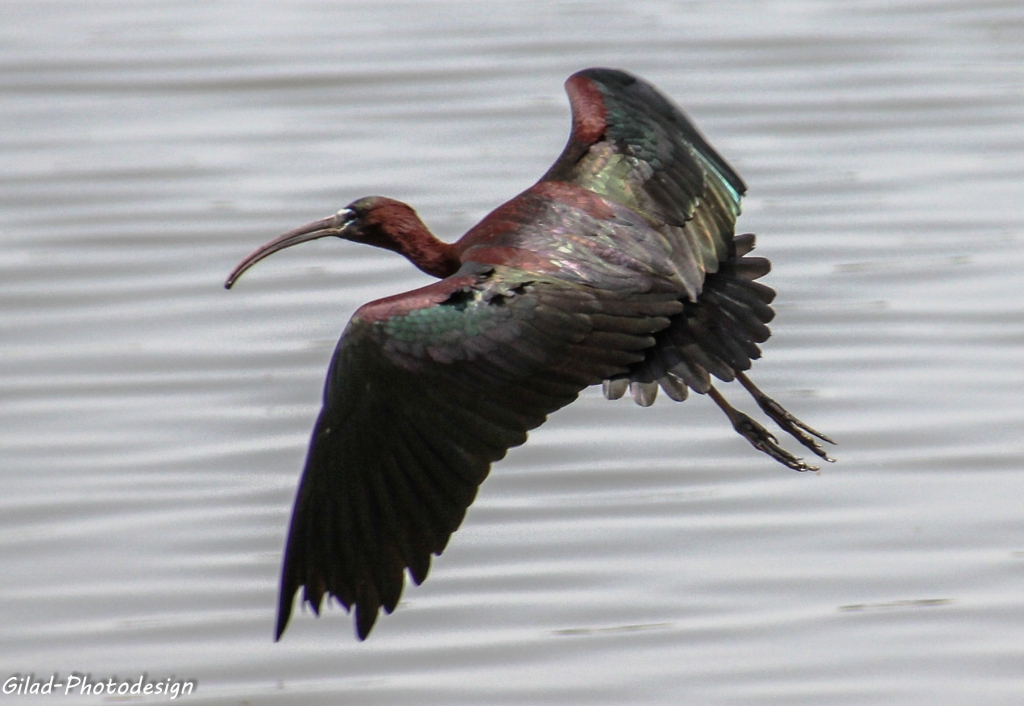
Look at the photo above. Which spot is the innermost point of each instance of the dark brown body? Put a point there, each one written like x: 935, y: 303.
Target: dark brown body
x: 620, y: 266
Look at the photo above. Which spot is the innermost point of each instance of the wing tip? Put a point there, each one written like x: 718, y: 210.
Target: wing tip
x: 366, y: 616
x: 284, y: 612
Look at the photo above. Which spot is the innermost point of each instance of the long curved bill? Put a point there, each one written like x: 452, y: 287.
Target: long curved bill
x: 332, y: 225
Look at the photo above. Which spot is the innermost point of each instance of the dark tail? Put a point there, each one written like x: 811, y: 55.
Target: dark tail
x: 719, y: 335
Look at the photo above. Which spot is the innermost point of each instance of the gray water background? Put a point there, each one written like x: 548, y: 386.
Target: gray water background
x: 153, y: 425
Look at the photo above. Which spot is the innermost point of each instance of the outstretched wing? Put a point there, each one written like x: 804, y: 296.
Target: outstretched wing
x: 424, y: 392
x: 633, y: 146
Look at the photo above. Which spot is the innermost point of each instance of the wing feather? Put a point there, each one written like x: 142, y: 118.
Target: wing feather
x: 424, y: 392
x: 633, y: 146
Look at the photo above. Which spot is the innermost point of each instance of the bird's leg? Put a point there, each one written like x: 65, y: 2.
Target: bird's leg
x: 757, y: 435
x: 800, y: 431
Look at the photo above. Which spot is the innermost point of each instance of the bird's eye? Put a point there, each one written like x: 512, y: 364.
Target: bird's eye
x: 344, y: 217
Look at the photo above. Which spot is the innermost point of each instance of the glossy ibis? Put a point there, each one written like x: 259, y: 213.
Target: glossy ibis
x: 620, y: 266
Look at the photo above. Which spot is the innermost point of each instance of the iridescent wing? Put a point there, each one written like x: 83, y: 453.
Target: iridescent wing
x: 425, y: 391
x: 631, y: 145
x: 634, y: 147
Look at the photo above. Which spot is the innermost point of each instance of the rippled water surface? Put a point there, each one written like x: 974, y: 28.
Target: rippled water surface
x: 153, y: 425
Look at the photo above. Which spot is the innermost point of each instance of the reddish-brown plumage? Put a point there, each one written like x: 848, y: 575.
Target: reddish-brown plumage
x: 394, y: 226
x: 510, y: 257
x: 572, y: 195
x: 589, y: 276
x: 502, y: 226
x: 401, y: 304
x: 505, y: 220
x: 588, y: 109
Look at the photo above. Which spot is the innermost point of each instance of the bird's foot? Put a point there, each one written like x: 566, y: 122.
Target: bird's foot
x: 790, y: 424
x: 757, y: 435
x: 765, y: 442
x: 794, y: 427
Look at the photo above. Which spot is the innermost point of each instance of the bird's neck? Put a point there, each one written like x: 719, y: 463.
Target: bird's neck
x: 397, y: 228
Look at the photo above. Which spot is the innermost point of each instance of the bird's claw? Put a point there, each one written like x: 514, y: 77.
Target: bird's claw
x: 794, y: 427
x: 763, y: 441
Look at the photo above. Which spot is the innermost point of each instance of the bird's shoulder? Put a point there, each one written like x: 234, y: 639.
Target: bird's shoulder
x: 632, y: 146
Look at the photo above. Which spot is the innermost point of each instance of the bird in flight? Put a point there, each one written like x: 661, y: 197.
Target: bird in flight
x: 619, y: 267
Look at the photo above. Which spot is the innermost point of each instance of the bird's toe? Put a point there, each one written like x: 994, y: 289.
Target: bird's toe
x: 762, y: 440
x: 794, y: 427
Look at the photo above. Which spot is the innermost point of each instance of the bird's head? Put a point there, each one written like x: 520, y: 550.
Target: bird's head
x: 373, y: 220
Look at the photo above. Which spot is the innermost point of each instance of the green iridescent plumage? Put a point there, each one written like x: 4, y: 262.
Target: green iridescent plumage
x: 620, y: 266
x: 652, y: 160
